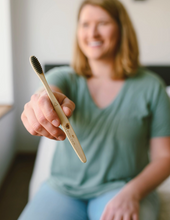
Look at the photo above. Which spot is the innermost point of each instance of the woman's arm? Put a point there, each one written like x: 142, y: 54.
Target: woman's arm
x: 126, y: 204
x: 156, y: 172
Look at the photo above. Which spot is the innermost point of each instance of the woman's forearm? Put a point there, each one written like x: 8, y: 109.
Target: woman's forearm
x: 155, y: 173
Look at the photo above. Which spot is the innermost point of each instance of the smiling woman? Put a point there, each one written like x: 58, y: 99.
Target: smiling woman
x: 122, y: 113
x: 6, y: 87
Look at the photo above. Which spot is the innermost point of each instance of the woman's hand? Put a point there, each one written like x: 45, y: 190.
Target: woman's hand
x: 40, y: 118
x: 124, y: 206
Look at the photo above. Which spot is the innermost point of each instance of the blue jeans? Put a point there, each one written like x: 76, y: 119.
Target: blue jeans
x: 48, y: 204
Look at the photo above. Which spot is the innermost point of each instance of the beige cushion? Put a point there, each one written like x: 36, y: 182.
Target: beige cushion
x: 164, y: 194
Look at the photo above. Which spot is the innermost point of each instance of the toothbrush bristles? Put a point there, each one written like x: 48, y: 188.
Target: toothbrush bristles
x: 36, y: 64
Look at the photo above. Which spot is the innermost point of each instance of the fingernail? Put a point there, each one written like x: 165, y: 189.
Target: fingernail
x: 56, y: 123
x: 61, y: 137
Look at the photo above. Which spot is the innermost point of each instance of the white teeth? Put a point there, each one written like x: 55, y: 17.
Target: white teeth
x: 95, y: 43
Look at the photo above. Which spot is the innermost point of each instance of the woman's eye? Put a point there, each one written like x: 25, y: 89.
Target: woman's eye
x: 85, y: 25
x: 102, y: 23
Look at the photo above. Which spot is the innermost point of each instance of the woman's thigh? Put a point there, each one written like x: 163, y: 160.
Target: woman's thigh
x: 96, y: 206
x: 149, y: 207
x: 51, y: 205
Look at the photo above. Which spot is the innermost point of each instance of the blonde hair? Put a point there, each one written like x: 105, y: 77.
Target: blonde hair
x: 127, y: 56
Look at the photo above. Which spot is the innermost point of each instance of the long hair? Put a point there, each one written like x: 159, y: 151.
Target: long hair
x: 126, y: 60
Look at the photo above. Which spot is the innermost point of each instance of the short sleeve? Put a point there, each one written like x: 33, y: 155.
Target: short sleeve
x: 61, y: 78
x: 160, y: 108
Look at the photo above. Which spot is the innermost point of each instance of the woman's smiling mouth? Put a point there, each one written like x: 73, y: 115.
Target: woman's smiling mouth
x: 95, y: 43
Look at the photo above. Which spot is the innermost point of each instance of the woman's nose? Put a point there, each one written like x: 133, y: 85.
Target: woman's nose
x: 93, y: 31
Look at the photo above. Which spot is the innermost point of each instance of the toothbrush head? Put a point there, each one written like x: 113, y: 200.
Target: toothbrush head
x: 36, y: 65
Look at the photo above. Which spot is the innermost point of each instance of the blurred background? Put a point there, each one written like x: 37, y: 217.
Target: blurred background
x: 46, y: 29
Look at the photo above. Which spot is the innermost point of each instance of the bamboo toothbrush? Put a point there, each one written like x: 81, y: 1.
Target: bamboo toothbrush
x: 63, y: 119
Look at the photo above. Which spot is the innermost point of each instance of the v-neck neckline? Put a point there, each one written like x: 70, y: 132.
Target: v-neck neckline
x: 118, y: 96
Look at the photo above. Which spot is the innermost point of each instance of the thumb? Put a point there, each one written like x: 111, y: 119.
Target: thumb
x: 66, y: 104
x: 68, y: 107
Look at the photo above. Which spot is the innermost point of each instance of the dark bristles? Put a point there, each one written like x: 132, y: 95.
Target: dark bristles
x: 36, y: 64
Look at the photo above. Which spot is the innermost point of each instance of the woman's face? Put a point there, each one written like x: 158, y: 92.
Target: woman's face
x: 97, y: 34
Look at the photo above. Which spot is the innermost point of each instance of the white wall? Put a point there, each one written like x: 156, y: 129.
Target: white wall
x: 7, y: 143
x: 151, y: 19
x: 46, y: 29
x: 7, y: 123
x: 6, y: 83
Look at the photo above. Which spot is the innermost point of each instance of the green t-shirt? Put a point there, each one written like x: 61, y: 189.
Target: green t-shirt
x: 115, y: 139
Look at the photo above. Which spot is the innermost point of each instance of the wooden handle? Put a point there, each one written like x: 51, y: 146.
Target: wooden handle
x: 64, y: 121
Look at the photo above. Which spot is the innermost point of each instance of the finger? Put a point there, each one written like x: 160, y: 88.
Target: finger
x: 68, y: 107
x: 135, y: 217
x: 34, y: 123
x: 56, y: 132
x: 33, y: 132
x: 127, y: 217
x: 107, y: 215
x: 118, y: 217
x: 41, y: 106
x: 47, y: 108
x: 104, y: 215
x: 27, y: 125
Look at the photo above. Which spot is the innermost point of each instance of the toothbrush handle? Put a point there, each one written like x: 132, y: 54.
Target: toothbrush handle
x: 64, y: 121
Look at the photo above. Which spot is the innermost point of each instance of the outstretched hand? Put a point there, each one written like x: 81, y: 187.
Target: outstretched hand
x: 40, y: 118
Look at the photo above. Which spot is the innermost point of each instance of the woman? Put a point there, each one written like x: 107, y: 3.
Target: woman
x: 122, y: 112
